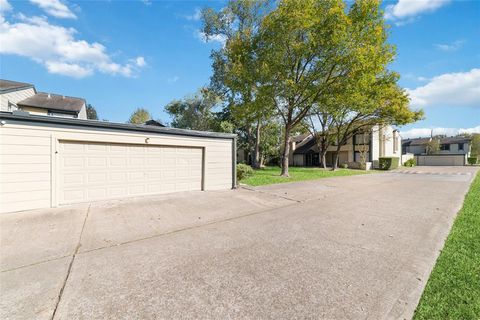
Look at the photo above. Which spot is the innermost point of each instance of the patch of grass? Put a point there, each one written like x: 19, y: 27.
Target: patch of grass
x: 453, y: 290
x: 271, y: 175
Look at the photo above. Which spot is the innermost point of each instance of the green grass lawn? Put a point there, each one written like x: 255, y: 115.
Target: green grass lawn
x: 453, y: 290
x: 271, y: 175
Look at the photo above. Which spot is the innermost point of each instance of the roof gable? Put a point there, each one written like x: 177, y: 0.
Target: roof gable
x: 8, y: 85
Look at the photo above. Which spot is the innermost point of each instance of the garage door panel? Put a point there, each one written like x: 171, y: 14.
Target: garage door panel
x: 72, y: 178
x: 96, y: 162
x: 118, y: 161
x: 93, y: 171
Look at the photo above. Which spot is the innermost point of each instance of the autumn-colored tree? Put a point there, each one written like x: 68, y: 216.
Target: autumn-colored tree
x: 140, y: 116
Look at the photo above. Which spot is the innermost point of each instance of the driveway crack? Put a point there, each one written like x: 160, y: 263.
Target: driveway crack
x: 60, y: 294
x: 271, y: 194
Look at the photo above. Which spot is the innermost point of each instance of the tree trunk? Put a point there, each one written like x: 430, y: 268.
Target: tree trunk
x: 323, y: 157
x: 286, y: 151
x: 335, y: 160
x: 256, y: 152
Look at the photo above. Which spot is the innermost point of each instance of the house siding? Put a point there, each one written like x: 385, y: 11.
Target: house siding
x: 13, y: 97
x: 29, y: 155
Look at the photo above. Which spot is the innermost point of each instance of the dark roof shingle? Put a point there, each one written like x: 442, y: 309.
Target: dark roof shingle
x: 53, y: 102
x: 7, y: 85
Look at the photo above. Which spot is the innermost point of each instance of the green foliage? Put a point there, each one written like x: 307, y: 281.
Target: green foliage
x: 433, y: 146
x: 472, y: 160
x: 475, y: 151
x: 197, y: 112
x: 410, y: 163
x: 91, y: 112
x: 237, y: 73
x: 453, y: 290
x: 243, y: 171
x: 388, y: 163
x: 140, y: 116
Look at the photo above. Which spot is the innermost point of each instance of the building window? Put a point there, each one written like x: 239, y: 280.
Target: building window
x: 362, y: 139
x: 460, y: 146
x: 445, y: 147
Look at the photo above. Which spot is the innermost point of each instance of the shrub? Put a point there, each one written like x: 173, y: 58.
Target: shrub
x: 345, y: 166
x: 410, y: 163
x: 388, y: 163
x: 243, y: 171
x: 472, y: 160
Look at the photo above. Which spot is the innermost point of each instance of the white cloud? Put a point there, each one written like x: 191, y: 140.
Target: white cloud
x: 67, y: 69
x: 55, y: 8
x: 220, y: 38
x: 173, y: 79
x: 4, y: 6
x: 140, y: 62
x: 196, y: 16
x: 408, y: 9
x: 426, y: 132
x: 452, y: 46
x: 57, y: 48
x: 450, y: 89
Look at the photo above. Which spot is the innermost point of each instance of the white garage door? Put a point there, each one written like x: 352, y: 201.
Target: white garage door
x: 94, y: 171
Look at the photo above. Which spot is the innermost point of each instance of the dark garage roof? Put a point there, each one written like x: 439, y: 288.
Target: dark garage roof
x: 53, y: 102
x: 8, y: 85
x: 26, y: 117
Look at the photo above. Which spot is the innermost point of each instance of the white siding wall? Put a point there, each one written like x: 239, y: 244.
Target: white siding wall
x: 28, y: 163
x: 14, y: 97
x: 83, y: 113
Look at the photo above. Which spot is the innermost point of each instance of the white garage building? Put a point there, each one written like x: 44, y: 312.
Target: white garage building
x: 49, y: 161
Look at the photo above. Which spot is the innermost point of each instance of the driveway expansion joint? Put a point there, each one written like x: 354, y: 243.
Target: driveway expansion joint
x: 60, y: 294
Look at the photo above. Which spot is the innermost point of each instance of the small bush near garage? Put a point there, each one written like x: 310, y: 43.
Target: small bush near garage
x: 388, y: 163
x: 472, y: 160
x: 410, y: 163
x: 243, y: 171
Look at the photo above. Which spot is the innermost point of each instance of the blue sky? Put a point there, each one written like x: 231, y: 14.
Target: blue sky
x: 120, y: 55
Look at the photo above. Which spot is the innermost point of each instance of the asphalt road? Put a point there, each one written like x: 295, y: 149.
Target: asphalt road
x: 357, y: 247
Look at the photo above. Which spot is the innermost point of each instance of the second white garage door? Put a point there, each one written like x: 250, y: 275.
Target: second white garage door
x: 94, y: 171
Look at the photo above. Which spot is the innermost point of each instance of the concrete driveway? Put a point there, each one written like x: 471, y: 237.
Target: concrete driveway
x: 358, y: 247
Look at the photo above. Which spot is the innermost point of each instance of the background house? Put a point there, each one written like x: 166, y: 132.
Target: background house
x: 23, y: 96
x: 448, y: 145
x: 379, y: 141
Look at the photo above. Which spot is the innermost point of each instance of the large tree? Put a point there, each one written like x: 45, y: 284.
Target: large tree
x: 236, y: 67
x: 304, y: 49
x: 367, y: 93
x: 140, y: 116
